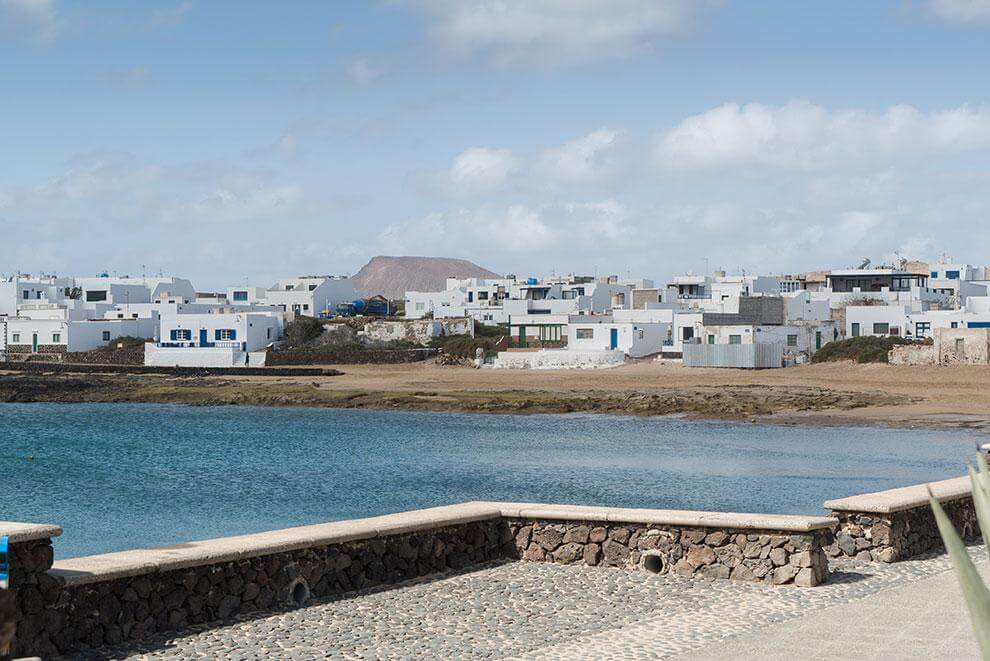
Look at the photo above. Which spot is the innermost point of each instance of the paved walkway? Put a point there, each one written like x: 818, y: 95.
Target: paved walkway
x: 540, y: 611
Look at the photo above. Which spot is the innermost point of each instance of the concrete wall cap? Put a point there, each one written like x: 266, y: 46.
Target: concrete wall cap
x: 108, y: 566
x: 903, y: 498
x: 16, y: 531
x: 684, y: 518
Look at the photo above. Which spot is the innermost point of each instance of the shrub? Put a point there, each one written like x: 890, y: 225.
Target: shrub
x: 301, y: 330
x: 865, y: 349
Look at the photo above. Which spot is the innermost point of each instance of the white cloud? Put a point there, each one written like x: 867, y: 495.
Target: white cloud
x: 962, y: 10
x: 40, y: 17
x: 481, y: 170
x: 804, y: 136
x: 588, y: 159
x: 552, y: 31
x: 363, y: 72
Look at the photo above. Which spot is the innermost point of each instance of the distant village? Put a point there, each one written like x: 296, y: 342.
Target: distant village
x: 711, y: 320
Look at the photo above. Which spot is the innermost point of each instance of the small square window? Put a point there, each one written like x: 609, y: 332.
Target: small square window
x: 56, y: 337
x: 106, y: 336
x: 792, y: 340
x: 15, y: 338
x: 735, y: 339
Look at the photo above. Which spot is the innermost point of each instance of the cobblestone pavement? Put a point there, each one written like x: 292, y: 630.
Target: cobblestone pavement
x: 543, y: 611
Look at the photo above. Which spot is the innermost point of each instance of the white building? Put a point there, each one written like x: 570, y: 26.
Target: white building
x: 604, y: 333
x: 225, y: 339
x: 54, y: 335
x: 309, y: 296
x: 904, y: 321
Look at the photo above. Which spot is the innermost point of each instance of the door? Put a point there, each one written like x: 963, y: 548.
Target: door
x: 613, y: 339
x: 202, y: 337
x: 522, y: 336
x: 818, y: 340
x: 34, y: 343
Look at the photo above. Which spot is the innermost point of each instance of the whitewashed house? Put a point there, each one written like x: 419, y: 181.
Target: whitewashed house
x: 310, y: 296
x: 605, y: 333
x: 227, y: 338
x: 54, y: 336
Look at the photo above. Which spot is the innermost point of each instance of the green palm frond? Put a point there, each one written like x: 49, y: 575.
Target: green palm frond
x: 974, y: 590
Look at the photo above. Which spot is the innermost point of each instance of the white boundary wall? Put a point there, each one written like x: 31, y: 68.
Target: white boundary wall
x: 557, y: 359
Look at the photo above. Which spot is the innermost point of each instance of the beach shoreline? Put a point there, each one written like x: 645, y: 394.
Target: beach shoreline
x: 835, y: 394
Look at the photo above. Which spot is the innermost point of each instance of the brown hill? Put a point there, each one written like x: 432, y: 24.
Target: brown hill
x: 394, y: 276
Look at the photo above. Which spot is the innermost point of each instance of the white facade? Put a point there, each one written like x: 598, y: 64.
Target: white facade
x: 309, y: 296
x: 48, y: 334
x: 226, y: 339
x: 903, y: 321
x: 588, y: 333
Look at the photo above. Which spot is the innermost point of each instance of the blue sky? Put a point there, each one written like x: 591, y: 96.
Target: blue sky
x: 233, y: 141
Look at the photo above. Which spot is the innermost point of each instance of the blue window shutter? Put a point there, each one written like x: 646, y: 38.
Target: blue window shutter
x: 216, y: 334
x: 174, y: 334
x: 233, y: 334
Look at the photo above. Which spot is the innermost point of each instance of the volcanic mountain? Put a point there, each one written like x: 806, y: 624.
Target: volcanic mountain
x: 392, y: 277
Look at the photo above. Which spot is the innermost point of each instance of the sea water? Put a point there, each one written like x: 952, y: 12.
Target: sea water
x: 119, y: 476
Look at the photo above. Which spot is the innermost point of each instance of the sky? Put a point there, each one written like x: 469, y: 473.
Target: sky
x: 243, y: 141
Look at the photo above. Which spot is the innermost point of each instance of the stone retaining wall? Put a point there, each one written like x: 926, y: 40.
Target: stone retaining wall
x: 30, y: 588
x: 348, y: 356
x: 898, y: 524
x: 86, y: 603
x: 746, y: 555
x: 73, y: 612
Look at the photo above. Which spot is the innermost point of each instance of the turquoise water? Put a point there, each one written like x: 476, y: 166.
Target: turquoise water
x: 119, y: 476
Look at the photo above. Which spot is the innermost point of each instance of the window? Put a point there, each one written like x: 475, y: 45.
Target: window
x: 420, y: 306
x: 312, y: 287
x: 482, y: 296
x: 855, y: 329
x: 952, y: 275
x: 26, y: 294
x: 735, y: 339
x: 549, y: 333
x: 934, y: 274
x: 56, y: 338
x: 268, y: 333
x: 240, y: 296
x: 955, y: 324
x: 711, y: 339
x: 687, y: 333
x: 96, y: 295
x: 305, y: 306
x: 881, y: 329
x: 922, y: 328
x: 15, y: 338
x: 180, y: 334
x: 226, y: 334
x: 584, y: 333
x: 106, y: 336
x: 792, y: 340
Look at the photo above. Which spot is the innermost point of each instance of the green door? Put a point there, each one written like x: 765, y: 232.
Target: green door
x: 818, y: 340
x: 34, y: 343
x: 522, y: 336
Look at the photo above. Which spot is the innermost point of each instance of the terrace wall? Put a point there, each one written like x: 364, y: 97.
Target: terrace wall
x: 898, y: 524
x: 90, y: 602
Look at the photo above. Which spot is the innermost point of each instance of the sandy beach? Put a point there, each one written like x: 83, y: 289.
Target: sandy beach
x: 832, y: 393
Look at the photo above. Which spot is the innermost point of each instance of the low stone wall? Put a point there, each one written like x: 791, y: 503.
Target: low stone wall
x: 106, y: 599
x: 89, y: 602
x: 31, y: 588
x: 778, y: 550
x: 898, y: 524
x: 165, y: 369
x: 349, y: 356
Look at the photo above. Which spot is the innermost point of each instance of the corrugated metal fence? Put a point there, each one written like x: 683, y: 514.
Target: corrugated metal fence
x: 752, y: 356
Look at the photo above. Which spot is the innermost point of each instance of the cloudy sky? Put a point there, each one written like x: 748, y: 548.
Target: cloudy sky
x: 232, y: 141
